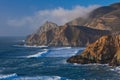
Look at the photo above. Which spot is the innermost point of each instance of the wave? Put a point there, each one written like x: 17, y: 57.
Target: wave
x: 39, y: 54
x: 116, y: 69
x: 63, y: 52
x: 15, y: 77
x: 57, y: 52
x: 61, y: 48
x: 42, y: 78
x: 91, y: 64
x: 8, y: 76
x: 35, y: 46
x: 30, y: 46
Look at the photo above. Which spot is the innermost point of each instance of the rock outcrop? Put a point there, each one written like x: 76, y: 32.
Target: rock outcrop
x: 31, y: 39
x: 66, y: 36
x: 104, y: 50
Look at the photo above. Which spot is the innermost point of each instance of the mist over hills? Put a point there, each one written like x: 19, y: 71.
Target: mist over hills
x: 81, y: 31
x: 103, y: 18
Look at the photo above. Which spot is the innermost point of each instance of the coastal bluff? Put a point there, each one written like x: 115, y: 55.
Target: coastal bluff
x: 105, y: 50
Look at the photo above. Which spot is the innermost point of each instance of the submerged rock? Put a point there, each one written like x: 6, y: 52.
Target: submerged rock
x: 104, y: 50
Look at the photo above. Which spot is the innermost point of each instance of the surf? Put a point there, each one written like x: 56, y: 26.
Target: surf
x: 8, y: 76
x: 56, y: 52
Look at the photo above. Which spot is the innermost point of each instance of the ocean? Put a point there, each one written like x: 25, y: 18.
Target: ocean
x: 21, y: 62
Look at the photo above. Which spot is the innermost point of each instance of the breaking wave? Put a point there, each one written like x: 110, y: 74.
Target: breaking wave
x: 39, y: 54
x: 15, y: 77
x: 57, y: 52
x: 30, y: 46
x: 42, y: 78
x: 116, y: 69
x: 8, y: 76
x: 35, y: 46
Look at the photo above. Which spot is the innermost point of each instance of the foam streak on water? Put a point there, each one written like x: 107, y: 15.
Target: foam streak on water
x: 116, y: 69
x: 15, y: 77
x: 57, y: 52
x: 8, y: 76
x: 38, y: 54
x: 42, y: 78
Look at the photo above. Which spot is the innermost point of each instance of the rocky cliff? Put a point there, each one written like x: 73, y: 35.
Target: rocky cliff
x: 66, y: 36
x: 78, y: 32
x: 104, y: 18
x: 45, y: 27
x: 31, y: 39
x: 104, y: 50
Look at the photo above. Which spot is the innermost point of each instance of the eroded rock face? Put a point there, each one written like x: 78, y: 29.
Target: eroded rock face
x: 104, y: 50
x: 66, y: 36
x: 34, y: 38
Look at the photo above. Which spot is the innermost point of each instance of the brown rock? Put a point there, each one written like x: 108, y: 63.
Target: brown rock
x: 104, y: 50
x: 66, y: 36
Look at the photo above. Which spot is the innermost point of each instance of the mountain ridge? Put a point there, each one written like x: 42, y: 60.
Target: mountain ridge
x: 97, y: 18
x: 79, y: 32
x: 66, y: 36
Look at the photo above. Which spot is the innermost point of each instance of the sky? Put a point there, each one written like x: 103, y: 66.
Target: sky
x: 22, y: 17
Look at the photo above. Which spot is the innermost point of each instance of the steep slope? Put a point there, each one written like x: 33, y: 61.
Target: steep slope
x: 104, y: 50
x: 66, y: 36
x: 104, y: 18
x: 46, y: 26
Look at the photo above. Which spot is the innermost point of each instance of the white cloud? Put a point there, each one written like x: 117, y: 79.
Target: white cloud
x: 58, y: 15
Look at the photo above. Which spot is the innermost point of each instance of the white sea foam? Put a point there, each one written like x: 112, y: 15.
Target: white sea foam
x: 57, y: 52
x: 35, y: 46
x: 39, y: 54
x: 61, y: 48
x: 41, y: 78
x: 15, y: 77
x: 63, y: 52
x: 22, y: 40
x: 116, y: 69
x: 91, y: 64
x: 8, y: 76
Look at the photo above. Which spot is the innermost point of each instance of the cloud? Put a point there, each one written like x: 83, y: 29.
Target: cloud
x: 58, y: 15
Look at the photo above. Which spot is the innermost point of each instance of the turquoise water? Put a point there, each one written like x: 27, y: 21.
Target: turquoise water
x: 21, y: 62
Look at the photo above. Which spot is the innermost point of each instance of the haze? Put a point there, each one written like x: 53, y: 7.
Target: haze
x: 22, y: 17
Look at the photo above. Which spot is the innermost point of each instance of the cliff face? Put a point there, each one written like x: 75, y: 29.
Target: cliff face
x: 103, y: 18
x: 66, y: 36
x: 104, y: 50
x: 32, y: 38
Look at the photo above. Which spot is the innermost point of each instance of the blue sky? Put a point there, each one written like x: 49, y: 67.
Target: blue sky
x: 22, y: 17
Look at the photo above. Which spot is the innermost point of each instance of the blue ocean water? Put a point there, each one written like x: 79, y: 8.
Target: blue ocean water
x: 21, y: 62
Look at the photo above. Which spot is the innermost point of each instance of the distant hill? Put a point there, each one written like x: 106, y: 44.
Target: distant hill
x: 81, y: 31
x: 104, y: 18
